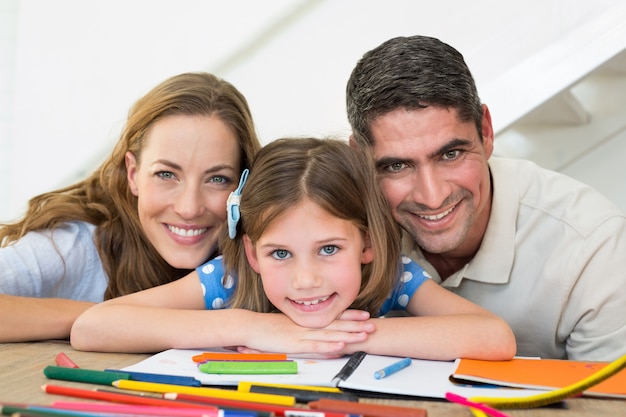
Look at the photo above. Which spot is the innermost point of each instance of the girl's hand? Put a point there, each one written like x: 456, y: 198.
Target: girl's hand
x: 277, y: 333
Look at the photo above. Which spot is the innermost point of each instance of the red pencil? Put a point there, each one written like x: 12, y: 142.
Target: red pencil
x: 138, y: 409
x: 278, y: 410
x: 117, y: 397
x: 63, y: 360
x: 366, y: 409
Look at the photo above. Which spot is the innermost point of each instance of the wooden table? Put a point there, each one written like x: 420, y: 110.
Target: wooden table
x: 22, y: 364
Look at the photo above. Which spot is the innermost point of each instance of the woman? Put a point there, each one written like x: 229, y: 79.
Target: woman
x: 148, y: 215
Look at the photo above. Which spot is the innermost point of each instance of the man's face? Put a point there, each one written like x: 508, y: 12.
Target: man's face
x: 433, y: 171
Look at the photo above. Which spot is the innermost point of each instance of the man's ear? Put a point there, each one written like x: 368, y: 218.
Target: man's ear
x: 367, y: 255
x: 352, y: 142
x: 131, y: 172
x: 487, y: 132
x: 251, y: 253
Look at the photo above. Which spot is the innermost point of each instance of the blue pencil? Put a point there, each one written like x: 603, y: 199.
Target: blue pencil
x: 160, y: 378
x: 393, y: 368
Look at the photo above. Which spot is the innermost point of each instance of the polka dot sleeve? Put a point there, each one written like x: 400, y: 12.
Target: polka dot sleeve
x: 216, y: 288
x: 411, y: 277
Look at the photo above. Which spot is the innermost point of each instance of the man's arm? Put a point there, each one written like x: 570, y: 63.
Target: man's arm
x: 28, y: 319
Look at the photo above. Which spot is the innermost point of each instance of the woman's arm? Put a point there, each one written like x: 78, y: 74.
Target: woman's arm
x: 24, y: 319
x: 441, y: 326
x: 174, y: 316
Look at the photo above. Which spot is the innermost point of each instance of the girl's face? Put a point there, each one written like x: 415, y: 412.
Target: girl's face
x: 310, y: 264
x: 188, y: 167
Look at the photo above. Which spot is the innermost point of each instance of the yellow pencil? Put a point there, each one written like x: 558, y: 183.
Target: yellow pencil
x: 245, y: 386
x: 205, y: 392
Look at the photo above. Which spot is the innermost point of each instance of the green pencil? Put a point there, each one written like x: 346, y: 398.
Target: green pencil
x: 89, y: 376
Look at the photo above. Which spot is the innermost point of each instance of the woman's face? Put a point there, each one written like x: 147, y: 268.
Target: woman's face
x: 188, y: 167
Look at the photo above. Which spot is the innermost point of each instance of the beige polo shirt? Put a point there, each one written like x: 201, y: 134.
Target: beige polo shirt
x: 552, y: 264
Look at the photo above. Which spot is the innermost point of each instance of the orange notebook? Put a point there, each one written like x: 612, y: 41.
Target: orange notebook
x: 539, y: 374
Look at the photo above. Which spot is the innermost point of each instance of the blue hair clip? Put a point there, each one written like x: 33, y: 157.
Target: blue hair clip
x: 232, y: 205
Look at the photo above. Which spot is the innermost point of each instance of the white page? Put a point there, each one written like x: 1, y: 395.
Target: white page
x: 422, y: 378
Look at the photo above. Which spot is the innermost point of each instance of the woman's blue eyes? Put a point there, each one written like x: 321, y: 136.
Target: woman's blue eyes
x: 216, y: 179
x: 219, y: 179
x: 166, y: 175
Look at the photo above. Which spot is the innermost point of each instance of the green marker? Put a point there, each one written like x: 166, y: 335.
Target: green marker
x: 249, y: 367
x: 84, y: 375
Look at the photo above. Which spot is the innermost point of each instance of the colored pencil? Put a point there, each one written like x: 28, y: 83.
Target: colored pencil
x: 160, y: 378
x: 366, y: 409
x: 302, y: 395
x: 207, y: 411
x: 206, y: 392
x: 116, y: 397
x: 89, y: 376
x: 277, y: 410
x: 245, y: 386
x: 39, y: 411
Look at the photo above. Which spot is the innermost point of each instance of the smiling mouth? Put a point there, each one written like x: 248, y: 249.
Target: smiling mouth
x: 186, y: 232
x: 434, y: 217
x: 312, y: 302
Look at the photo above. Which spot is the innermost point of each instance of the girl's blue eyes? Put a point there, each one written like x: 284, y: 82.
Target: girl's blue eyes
x: 280, y: 254
x: 285, y: 254
x: 329, y: 250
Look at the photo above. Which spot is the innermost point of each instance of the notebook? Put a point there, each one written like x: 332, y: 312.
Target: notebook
x: 422, y: 378
x: 545, y: 374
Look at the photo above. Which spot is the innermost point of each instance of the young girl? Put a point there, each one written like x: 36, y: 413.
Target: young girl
x: 316, y: 242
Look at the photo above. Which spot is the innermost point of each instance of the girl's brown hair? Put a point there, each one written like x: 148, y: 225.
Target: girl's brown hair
x: 104, y: 198
x: 339, y: 179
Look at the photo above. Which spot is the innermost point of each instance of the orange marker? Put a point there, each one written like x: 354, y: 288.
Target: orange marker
x: 227, y: 356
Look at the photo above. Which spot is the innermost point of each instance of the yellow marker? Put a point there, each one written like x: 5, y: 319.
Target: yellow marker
x: 246, y: 386
x: 550, y: 397
x: 205, y: 392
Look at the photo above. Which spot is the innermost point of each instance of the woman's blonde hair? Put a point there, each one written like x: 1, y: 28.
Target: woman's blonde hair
x: 104, y: 198
x: 339, y: 179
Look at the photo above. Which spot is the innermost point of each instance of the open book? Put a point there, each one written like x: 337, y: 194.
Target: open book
x: 547, y: 374
x: 421, y: 379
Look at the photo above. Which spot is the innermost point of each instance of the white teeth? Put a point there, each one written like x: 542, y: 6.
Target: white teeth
x: 436, y: 216
x: 186, y: 232
x: 313, y: 302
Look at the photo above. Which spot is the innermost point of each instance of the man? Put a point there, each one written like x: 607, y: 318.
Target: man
x: 543, y: 251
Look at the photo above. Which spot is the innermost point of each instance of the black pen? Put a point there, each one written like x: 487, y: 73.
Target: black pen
x: 349, y: 367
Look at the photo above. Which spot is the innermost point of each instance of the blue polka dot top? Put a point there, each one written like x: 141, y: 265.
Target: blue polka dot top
x: 217, y: 288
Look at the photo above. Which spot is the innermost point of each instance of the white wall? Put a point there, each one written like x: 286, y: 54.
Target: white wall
x: 79, y: 65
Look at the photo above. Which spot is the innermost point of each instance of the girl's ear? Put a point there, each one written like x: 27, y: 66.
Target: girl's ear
x: 131, y: 172
x: 251, y: 253
x: 367, y: 255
